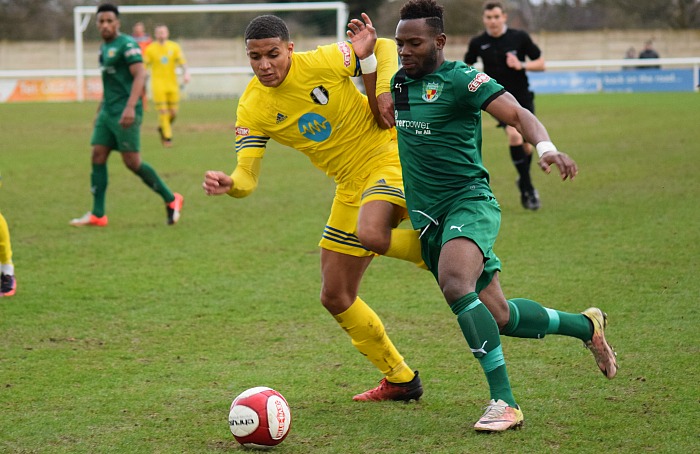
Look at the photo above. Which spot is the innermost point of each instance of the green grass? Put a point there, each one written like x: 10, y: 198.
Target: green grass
x: 135, y: 338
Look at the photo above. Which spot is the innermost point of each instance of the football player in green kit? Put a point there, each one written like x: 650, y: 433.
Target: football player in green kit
x: 118, y: 123
x: 437, y: 114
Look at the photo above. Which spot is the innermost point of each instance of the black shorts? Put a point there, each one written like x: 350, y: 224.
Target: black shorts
x: 526, y: 99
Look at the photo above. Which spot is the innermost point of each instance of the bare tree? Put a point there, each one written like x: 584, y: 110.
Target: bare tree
x: 53, y: 19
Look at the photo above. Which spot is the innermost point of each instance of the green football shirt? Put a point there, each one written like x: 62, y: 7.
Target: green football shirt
x: 116, y: 57
x: 438, y: 120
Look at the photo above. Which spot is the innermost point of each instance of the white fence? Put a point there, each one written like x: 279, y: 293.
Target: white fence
x: 63, y: 84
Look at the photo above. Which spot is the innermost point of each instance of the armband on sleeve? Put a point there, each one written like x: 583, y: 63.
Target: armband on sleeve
x: 245, y: 177
x: 388, y: 64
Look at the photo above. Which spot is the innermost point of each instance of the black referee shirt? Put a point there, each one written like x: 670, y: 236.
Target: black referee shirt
x: 492, y: 52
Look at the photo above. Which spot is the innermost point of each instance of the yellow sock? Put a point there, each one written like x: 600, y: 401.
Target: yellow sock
x: 5, y: 247
x: 405, y: 245
x: 369, y: 337
x: 164, y: 123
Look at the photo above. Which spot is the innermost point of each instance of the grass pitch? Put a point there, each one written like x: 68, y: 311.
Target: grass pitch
x: 135, y: 338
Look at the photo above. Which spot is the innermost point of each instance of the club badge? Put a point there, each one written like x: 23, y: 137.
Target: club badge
x: 319, y: 95
x: 431, y: 91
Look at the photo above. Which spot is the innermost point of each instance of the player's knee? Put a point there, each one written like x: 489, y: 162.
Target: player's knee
x: 453, y: 290
x: 373, y: 238
x: 501, y: 315
x: 334, y: 301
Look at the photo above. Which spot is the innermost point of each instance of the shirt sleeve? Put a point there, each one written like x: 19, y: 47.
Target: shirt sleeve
x: 250, y: 141
x: 337, y: 58
x: 245, y: 177
x: 473, y: 88
x: 472, y: 53
x: 531, y: 50
x: 180, y: 56
x: 132, y: 52
x: 387, y: 64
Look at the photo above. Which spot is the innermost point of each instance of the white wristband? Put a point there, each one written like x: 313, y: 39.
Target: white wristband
x: 368, y: 65
x: 544, y: 147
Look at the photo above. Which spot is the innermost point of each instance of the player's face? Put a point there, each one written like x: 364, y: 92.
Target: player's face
x: 270, y: 59
x: 162, y: 33
x: 419, y: 48
x: 494, y: 21
x: 108, y: 25
x: 138, y: 30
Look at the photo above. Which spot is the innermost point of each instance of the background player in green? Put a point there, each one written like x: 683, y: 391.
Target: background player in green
x: 437, y: 112
x: 118, y: 123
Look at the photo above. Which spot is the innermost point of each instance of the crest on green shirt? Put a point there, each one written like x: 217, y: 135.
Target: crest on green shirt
x: 431, y: 91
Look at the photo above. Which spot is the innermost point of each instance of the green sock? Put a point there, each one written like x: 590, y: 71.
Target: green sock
x: 98, y: 187
x: 153, y: 181
x: 530, y: 319
x: 481, y: 332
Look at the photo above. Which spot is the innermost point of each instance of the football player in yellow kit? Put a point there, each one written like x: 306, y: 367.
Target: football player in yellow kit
x: 307, y: 101
x: 8, y: 283
x: 162, y: 57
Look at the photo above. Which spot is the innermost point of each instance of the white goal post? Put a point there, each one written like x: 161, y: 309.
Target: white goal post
x: 82, y: 15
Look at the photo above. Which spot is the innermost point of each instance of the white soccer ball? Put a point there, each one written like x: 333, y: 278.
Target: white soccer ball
x: 259, y: 418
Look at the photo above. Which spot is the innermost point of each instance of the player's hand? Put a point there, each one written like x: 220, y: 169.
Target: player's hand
x: 386, y: 109
x: 216, y: 182
x: 567, y: 166
x: 128, y: 117
x: 363, y: 36
x: 513, y: 62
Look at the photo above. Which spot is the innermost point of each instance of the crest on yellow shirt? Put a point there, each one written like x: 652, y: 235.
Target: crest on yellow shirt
x: 320, y: 95
x: 431, y: 91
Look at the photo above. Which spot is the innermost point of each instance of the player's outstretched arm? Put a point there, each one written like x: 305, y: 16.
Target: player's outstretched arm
x: 506, y: 108
x: 216, y: 182
x: 241, y: 183
x: 364, y: 42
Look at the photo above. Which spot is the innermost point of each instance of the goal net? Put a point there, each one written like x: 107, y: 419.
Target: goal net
x: 211, y: 37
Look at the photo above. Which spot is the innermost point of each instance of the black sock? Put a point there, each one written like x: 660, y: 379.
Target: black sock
x: 521, y: 161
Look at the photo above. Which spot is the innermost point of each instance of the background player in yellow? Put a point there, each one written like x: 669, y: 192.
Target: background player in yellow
x: 8, y: 283
x: 162, y: 57
x: 307, y: 101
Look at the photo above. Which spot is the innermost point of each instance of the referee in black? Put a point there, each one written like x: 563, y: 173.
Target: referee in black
x: 503, y: 52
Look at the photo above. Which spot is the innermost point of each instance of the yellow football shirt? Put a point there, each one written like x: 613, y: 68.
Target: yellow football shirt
x: 317, y: 110
x: 162, y: 60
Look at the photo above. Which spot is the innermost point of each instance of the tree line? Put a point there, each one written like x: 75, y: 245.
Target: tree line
x: 53, y: 19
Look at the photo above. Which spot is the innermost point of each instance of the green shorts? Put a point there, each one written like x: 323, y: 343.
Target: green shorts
x: 477, y: 218
x: 108, y: 132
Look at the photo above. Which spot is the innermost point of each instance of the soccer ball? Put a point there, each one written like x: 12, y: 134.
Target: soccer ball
x: 259, y: 418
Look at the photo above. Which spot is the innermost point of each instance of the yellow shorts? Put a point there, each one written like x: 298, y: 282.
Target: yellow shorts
x: 378, y: 180
x: 165, y: 96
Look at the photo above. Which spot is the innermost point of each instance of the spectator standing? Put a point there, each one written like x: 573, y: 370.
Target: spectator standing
x: 649, y: 52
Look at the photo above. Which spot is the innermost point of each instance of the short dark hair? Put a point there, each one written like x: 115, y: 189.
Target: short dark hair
x: 267, y: 26
x: 424, y: 9
x: 493, y: 5
x: 108, y: 7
